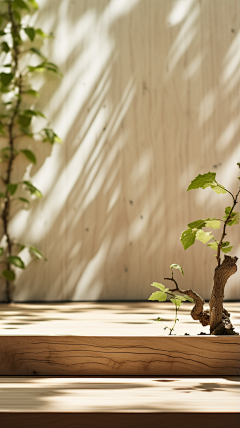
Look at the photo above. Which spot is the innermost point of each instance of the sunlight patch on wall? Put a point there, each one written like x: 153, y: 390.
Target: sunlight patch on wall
x: 88, y: 284
x: 119, y: 8
x: 231, y: 66
x: 179, y: 11
x: 206, y: 108
x: 113, y: 199
x: 193, y: 67
x: 228, y: 135
x: 183, y: 40
x: 141, y: 169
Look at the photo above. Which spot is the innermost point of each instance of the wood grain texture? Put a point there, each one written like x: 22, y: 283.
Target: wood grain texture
x: 149, y: 99
x: 125, y: 356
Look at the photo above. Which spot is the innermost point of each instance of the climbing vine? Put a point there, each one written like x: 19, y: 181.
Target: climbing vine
x: 18, y: 44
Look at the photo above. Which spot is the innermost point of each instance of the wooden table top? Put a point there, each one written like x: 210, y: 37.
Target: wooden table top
x: 120, y: 394
x: 102, y: 319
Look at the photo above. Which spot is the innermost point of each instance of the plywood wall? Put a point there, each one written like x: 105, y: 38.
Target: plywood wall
x: 150, y: 98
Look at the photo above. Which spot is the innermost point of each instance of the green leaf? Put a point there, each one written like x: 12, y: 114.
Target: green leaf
x: 34, y: 113
x: 24, y: 121
x: 9, y: 274
x: 34, y: 4
x: 6, y: 78
x: 2, y: 33
x: 42, y: 34
x: 177, y: 302
x: 188, y: 238
x: 50, y: 66
x: 234, y: 219
x: 33, y: 93
x: 1, y: 251
x: 203, y: 181
x: 214, y: 223
x: 37, y: 52
x: 203, y: 237
x: 12, y: 188
x: 16, y: 261
x: 17, y: 16
x: 32, y: 189
x: 26, y: 131
x: 160, y: 286
x: 38, y: 68
x: 29, y: 155
x: 213, y: 245
x: 5, y: 47
x: 24, y: 200
x: 2, y: 195
x: 50, y: 136
x: 37, y: 253
x: 227, y: 249
x: 30, y: 32
x: 176, y: 266
x: 2, y: 130
x: 21, y: 4
x: 218, y: 189
x: 158, y: 295
x: 199, y: 224
x: 190, y: 299
x: 225, y: 244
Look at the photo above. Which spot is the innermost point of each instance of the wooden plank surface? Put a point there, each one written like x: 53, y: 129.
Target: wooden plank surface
x: 102, y: 319
x: 149, y: 99
x: 120, y: 394
x: 70, y: 339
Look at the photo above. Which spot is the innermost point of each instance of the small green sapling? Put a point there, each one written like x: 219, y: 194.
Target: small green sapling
x: 216, y: 316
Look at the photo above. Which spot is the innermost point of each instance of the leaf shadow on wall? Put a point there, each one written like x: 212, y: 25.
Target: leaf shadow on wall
x: 143, y: 108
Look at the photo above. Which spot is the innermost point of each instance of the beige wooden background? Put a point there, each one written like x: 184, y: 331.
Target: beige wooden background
x: 150, y: 98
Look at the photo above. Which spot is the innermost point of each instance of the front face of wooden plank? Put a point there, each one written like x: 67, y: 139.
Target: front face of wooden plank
x: 156, y: 356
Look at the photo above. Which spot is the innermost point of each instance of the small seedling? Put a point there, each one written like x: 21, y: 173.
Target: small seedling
x: 165, y: 293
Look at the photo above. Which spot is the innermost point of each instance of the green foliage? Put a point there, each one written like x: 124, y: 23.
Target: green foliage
x: 164, y: 293
x: 12, y: 188
x: 160, y: 296
x: 203, y: 181
x: 16, y: 261
x: 37, y: 253
x: 30, y: 33
x: 195, y: 232
x: 207, y: 180
x: 188, y: 238
x: 16, y: 115
x: 5, y: 78
x: 32, y: 189
x: 203, y: 237
x: 29, y: 155
x: 176, y: 266
x: 26, y: 201
x: 234, y: 217
x: 8, y: 274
